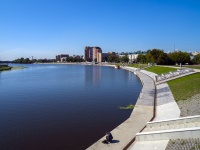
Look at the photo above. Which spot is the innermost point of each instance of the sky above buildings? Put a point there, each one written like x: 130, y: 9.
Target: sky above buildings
x: 45, y: 28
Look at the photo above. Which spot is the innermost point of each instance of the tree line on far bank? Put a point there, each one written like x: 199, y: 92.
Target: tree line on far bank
x: 157, y: 56
x: 29, y: 61
x: 152, y: 56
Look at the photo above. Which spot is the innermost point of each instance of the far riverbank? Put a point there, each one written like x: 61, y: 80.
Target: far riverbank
x: 80, y: 63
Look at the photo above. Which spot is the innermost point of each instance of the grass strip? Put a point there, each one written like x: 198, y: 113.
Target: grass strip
x: 193, y: 67
x: 160, y: 70
x: 185, y: 87
x: 138, y: 65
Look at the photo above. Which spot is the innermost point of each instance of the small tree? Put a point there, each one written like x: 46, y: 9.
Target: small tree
x: 113, y: 58
x: 179, y: 57
x: 124, y: 59
x: 141, y: 58
x: 196, y: 59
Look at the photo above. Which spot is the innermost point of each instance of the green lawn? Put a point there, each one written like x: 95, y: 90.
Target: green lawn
x: 160, y: 70
x: 185, y: 87
x: 138, y: 65
x: 194, y: 67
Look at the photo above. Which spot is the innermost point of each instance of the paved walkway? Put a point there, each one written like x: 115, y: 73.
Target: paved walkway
x: 143, y: 112
x: 166, y: 108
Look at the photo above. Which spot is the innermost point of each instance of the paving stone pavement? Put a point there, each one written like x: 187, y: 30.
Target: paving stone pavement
x: 147, y: 145
x: 185, y: 144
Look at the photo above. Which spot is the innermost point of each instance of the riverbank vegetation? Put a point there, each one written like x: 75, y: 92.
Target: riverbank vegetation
x: 185, y: 87
x: 5, y: 68
x: 18, y: 67
x: 12, y: 68
x: 130, y: 106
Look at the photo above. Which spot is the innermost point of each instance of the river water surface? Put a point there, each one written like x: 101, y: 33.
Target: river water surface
x: 61, y: 107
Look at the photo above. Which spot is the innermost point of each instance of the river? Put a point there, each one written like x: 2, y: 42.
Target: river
x: 61, y: 107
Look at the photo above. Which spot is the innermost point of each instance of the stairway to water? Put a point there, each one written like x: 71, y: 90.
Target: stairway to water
x: 180, y: 128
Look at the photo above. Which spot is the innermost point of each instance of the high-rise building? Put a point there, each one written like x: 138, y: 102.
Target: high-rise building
x: 93, y: 54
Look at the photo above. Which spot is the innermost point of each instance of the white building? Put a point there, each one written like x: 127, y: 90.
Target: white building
x: 132, y: 56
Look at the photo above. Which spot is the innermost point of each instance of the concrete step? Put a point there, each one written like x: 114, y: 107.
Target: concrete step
x: 177, y: 123
x: 183, y: 133
x: 170, y: 127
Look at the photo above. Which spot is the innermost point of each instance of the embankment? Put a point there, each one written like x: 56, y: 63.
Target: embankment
x: 144, y: 111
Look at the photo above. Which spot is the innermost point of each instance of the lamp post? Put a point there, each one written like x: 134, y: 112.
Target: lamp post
x: 181, y: 63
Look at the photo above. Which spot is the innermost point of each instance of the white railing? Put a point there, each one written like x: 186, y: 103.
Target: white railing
x: 172, y: 74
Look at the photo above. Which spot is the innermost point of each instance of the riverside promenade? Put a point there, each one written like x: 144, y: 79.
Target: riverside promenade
x: 166, y: 108
x: 124, y: 134
x: 155, y: 103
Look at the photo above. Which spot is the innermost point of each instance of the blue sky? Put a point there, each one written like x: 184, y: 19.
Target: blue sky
x: 45, y: 28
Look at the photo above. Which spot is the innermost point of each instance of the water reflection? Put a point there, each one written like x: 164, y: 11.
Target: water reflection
x: 93, y: 75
